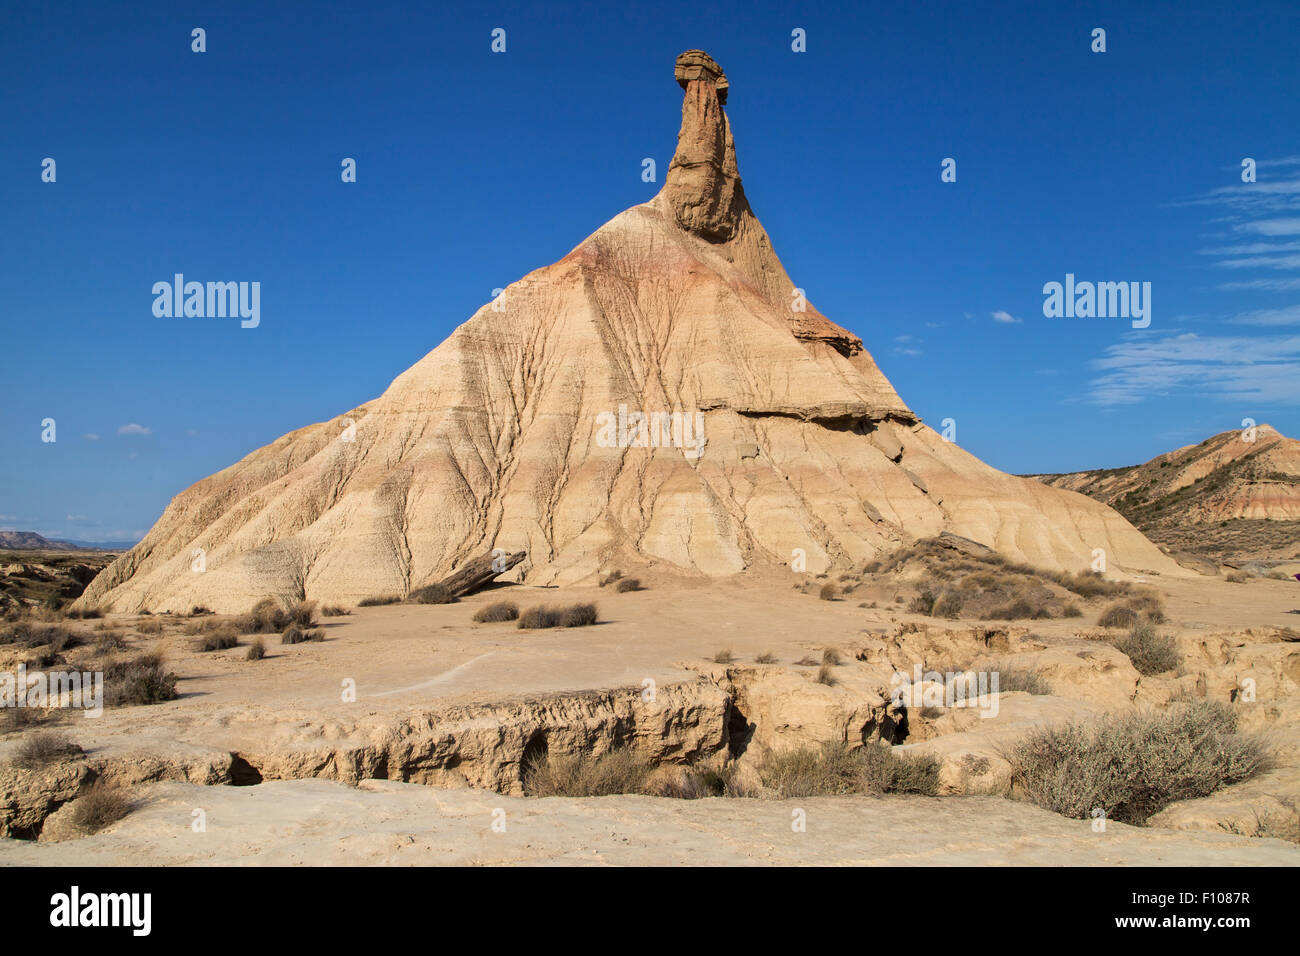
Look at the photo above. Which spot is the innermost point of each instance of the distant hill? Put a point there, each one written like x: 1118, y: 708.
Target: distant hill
x: 31, y: 541
x: 1226, y: 498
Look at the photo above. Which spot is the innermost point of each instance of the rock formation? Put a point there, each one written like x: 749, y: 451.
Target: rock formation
x: 661, y: 394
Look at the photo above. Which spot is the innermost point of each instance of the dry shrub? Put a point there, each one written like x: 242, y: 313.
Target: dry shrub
x: 1016, y: 677
x: 1134, y: 765
x: 84, y: 614
x: 98, y: 807
x: 256, y: 650
x: 832, y: 657
x: 1071, y: 610
x: 629, y: 584
x: 948, y: 605
x: 108, y: 642
x: 574, y: 615
x: 1150, y: 652
x: 139, y: 680
x: 333, y: 610
x: 43, y: 748
x: 149, y: 627
x: 494, y: 613
x: 610, y: 578
x: 767, y: 657
x: 380, y: 601
x: 1118, y: 615
x: 806, y: 661
x: 837, y: 769
x: 268, y: 617
x: 1237, y: 577
x: 618, y: 771
x: 825, y: 675
x: 217, y: 639
x: 294, y: 634
x: 432, y: 594
x: 828, y: 592
x: 199, y: 611
x: 724, y: 656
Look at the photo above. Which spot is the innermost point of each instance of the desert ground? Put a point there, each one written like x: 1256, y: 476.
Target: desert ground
x: 427, y: 760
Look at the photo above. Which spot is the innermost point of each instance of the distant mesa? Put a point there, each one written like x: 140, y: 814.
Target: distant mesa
x: 500, y: 437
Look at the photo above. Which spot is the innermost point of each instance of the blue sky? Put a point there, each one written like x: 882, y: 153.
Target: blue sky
x: 475, y: 167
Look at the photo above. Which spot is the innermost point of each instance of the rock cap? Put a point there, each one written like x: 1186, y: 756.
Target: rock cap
x: 698, y: 65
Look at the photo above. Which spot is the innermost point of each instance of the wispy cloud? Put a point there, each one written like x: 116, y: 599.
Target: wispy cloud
x: 134, y: 429
x: 1004, y: 317
x: 1262, y: 369
x: 90, y: 436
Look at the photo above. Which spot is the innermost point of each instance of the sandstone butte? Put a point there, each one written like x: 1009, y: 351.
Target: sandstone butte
x: 492, y: 439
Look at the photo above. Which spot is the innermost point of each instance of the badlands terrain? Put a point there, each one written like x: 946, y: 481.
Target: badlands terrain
x: 448, y: 715
x: 751, y: 609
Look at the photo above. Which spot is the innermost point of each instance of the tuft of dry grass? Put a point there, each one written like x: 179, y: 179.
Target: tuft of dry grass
x: 334, y: 610
x: 43, y: 748
x: 832, y: 657
x: 610, y: 578
x: 828, y: 592
x: 806, y: 661
x: 1133, y: 765
x: 825, y: 675
x: 379, y: 601
x: 149, y: 627
x: 500, y: 611
x: 724, y: 656
x: 256, y: 650
x: 767, y: 657
x: 618, y: 771
x: 629, y: 584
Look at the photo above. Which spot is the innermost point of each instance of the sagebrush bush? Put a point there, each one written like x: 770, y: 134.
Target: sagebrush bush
x: 256, y: 650
x: 837, y: 769
x: 629, y: 584
x: 1133, y: 765
x: 500, y: 611
x: 379, y: 601
x: 767, y: 657
x: 948, y: 605
x: 1150, y: 652
x: 724, y: 656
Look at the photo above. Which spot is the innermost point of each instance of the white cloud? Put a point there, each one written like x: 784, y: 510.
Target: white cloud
x: 90, y: 436
x: 1004, y: 317
x: 1263, y: 369
x: 1289, y: 315
x: 134, y: 429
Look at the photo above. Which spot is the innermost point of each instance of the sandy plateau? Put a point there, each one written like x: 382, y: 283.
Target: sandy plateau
x: 447, y: 712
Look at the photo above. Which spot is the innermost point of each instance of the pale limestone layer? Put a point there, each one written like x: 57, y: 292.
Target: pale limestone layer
x: 494, y: 438
x: 382, y: 823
